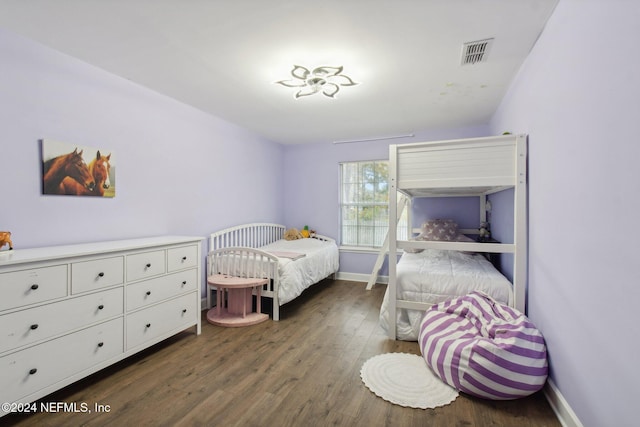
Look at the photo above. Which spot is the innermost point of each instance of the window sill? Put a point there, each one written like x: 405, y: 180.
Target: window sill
x: 363, y: 250
x: 359, y: 249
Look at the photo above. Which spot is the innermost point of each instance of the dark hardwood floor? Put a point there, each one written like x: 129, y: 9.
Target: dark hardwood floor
x: 301, y: 371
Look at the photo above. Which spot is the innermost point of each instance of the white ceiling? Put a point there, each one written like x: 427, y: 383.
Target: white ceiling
x: 223, y: 57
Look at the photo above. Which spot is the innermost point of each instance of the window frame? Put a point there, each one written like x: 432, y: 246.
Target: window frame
x: 360, y: 245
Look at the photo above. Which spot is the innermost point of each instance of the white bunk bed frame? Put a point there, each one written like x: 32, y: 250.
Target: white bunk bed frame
x: 460, y: 168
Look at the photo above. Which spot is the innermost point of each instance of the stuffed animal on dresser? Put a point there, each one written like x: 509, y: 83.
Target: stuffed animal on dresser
x: 5, y: 239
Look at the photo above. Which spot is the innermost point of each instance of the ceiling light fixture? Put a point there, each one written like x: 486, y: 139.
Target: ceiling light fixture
x: 326, y: 80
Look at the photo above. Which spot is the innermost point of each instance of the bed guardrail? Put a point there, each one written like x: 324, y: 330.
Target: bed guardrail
x: 242, y: 262
x: 246, y: 235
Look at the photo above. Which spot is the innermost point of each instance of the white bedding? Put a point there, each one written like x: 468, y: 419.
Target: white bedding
x: 320, y: 261
x: 433, y: 276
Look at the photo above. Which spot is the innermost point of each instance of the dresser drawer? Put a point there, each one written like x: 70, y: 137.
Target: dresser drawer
x: 96, y: 274
x: 143, y: 265
x: 34, y: 368
x: 180, y: 258
x: 155, y: 290
x: 20, y: 288
x: 39, y: 323
x: 150, y: 323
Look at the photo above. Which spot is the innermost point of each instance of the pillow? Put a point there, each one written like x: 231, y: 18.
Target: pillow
x: 439, y: 229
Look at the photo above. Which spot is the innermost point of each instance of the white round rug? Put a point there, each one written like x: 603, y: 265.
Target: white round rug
x: 406, y: 380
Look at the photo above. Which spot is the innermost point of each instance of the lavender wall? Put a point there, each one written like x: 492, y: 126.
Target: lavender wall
x: 177, y: 168
x: 578, y: 98
x: 501, y: 218
x: 465, y: 211
x: 311, y: 184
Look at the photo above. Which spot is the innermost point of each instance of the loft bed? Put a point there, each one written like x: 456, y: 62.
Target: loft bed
x: 260, y: 250
x: 456, y: 168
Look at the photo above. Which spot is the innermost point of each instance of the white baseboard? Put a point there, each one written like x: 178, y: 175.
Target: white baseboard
x: 359, y: 277
x: 560, y: 406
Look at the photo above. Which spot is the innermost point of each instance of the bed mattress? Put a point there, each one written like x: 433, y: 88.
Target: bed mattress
x: 433, y: 276
x: 320, y: 261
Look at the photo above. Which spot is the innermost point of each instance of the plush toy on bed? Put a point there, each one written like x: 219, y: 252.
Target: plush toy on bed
x: 292, y: 234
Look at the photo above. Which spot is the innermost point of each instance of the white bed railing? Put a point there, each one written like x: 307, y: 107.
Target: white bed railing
x: 243, y: 262
x: 246, y: 235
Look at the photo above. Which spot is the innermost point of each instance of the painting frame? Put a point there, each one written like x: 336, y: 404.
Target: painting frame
x: 77, y: 170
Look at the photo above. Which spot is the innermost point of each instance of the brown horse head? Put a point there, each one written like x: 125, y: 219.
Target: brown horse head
x: 64, y: 169
x: 76, y: 168
x: 100, y: 168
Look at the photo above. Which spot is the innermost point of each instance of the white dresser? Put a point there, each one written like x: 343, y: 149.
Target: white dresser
x: 69, y: 311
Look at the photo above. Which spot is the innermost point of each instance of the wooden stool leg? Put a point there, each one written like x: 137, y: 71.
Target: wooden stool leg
x: 219, y: 299
x: 244, y: 303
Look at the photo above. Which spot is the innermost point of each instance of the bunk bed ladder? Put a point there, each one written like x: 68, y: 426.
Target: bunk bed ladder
x: 402, y: 204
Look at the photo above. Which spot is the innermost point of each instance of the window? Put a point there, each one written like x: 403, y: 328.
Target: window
x: 364, y: 204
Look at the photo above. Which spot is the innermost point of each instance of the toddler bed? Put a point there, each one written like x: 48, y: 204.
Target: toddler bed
x: 259, y: 250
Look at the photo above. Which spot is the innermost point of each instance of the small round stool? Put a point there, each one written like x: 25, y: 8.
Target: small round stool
x: 239, y: 297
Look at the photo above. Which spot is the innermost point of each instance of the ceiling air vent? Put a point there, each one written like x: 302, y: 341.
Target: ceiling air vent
x: 474, y: 52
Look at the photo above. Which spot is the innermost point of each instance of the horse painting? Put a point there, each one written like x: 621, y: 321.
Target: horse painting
x: 67, y: 165
x: 99, y: 169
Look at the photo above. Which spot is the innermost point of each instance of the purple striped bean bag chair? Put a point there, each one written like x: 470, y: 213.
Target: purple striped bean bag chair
x: 484, y: 348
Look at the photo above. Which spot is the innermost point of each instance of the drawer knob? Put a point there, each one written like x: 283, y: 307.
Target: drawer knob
x: 34, y: 286
x: 148, y: 325
x: 184, y: 282
x: 34, y: 326
x: 100, y: 307
x: 148, y: 292
x: 148, y: 265
x: 32, y: 371
x: 184, y: 258
x: 184, y: 310
x: 101, y: 274
x: 100, y: 344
